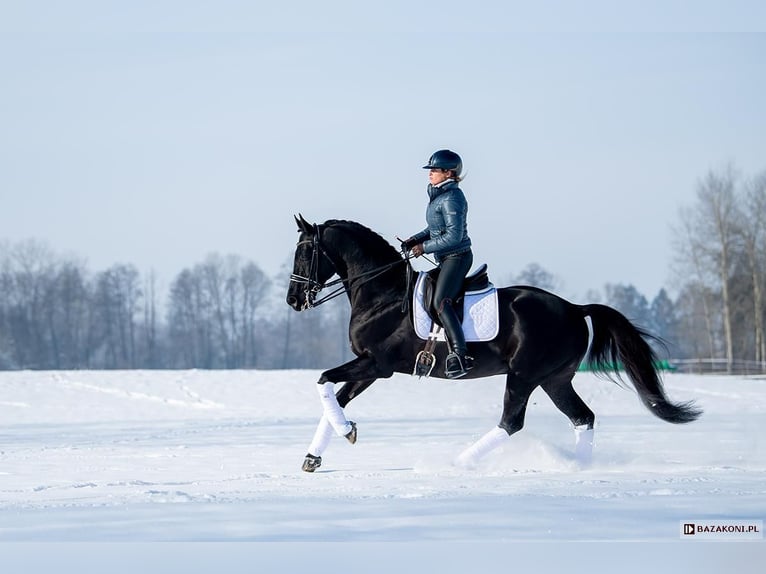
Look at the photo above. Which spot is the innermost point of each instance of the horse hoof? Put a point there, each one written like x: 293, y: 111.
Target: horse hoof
x: 311, y: 463
x: 351, y: 435
x: 465, y: 461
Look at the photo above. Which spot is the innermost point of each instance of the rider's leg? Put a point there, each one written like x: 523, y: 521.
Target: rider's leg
x: 458, y: 362
x: 453, y: 271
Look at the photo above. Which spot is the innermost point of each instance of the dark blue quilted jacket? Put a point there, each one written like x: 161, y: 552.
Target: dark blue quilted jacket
x: 447, y: 219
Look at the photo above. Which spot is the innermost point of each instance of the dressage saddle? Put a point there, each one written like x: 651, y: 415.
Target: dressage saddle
x: 476, y: 281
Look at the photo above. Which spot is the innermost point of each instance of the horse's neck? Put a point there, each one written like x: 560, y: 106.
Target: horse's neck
x: 368, y: 277
x: 362, y: 264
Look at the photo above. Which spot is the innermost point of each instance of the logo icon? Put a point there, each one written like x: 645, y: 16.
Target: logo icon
x: 688, y: 529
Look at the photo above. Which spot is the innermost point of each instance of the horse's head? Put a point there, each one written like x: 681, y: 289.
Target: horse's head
x: 312, y: 267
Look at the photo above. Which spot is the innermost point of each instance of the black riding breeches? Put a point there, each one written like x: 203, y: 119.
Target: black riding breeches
x: 454, y: 268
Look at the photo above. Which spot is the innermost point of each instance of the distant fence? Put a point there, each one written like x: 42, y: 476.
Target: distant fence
x: 661, y: 365
x: 718, y: 366
x: 703, y: 367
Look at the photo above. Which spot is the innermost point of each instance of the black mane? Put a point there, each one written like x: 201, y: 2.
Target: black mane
x: 373, y: 243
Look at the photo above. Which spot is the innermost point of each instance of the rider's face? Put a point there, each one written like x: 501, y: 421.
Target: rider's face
x: 436, y: 176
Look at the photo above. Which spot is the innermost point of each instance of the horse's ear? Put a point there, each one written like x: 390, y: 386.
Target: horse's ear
x: 303, y: 225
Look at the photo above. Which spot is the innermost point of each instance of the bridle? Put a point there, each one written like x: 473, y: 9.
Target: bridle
x: 311, y: 282
x: 312, y: 285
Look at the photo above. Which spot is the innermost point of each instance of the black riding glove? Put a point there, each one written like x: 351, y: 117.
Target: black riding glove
x: 408, y: 244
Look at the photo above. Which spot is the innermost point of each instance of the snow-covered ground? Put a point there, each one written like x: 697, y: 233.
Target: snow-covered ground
x: 147, y: 456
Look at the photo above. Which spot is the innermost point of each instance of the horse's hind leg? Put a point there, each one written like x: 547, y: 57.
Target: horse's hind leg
x: 514, y: 408
x: 563, y: 395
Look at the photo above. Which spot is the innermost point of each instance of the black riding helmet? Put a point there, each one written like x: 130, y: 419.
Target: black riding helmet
x: 445, y: 159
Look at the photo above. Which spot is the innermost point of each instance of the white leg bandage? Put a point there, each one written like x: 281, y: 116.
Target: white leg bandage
x: 490, y: 441
x: 584, y: 444
x: 332, y: 411
x: 321, y: 438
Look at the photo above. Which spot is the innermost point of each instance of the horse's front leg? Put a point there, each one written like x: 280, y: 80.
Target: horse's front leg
x: 362, y: 371
x: 324, y: 431
x: 362, y: 368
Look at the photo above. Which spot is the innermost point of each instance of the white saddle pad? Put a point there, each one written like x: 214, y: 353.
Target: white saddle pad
x: 480, y: 316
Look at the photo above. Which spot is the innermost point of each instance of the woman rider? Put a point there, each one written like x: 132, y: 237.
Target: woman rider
x: 446, y: 237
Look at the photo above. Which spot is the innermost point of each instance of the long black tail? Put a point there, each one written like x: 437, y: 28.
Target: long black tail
x: 618, y: 343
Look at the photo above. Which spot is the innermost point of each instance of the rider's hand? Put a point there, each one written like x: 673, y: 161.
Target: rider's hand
x: 417, y: 250
x: 406, y: 244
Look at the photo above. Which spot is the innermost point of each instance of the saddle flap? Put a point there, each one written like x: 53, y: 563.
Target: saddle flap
x: 476, y: 281
x: 477, y: 309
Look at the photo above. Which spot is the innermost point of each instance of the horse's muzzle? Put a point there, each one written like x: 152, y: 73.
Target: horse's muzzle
x: 292, y: 300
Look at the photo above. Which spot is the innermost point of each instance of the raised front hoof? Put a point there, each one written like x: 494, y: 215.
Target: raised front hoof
x: 351, y: 435
x: 311, y: 463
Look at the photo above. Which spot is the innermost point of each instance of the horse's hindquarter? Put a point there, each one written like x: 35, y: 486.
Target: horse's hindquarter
x: 543, y: 325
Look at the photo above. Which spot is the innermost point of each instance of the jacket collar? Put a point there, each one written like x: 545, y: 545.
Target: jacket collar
x: 437, y: 190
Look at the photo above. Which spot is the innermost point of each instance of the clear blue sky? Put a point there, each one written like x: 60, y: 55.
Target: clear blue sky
x: 154, y: 133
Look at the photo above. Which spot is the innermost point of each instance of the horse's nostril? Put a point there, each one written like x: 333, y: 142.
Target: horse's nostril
x: 292, y: 301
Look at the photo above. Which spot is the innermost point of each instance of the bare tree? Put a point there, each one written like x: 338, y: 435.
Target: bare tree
x: 710, y: 242
x: 212, y: 316
x: 67, y: 315
x: 117, y: 296
x: 188, y: 327
x: 628, y: 300
x: 664, y: 321
x: 255, y: 285
x: 29, y: 270
x: 213, y: 283
x: 754, y: 239
x: 44, y: 308
x: 694, y: 277
x: 697, y: 321
x: 536, y: 276
x: 150, y: 340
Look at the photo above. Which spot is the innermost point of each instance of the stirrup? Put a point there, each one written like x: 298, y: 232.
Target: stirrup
x: 457, y: 365
x: 426, y: 359
x: 424, y: 364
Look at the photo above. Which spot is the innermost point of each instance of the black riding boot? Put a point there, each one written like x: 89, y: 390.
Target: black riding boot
x: 458, y: 362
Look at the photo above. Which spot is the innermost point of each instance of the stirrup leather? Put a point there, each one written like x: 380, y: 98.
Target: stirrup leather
x: 426, y: 359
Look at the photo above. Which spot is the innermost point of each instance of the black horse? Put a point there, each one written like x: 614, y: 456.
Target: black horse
x: 542, y: 340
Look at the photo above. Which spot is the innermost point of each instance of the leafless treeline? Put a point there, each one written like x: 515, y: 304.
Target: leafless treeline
x: 226, y: 313
x: 55, y: 314
x: 721, y: 262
